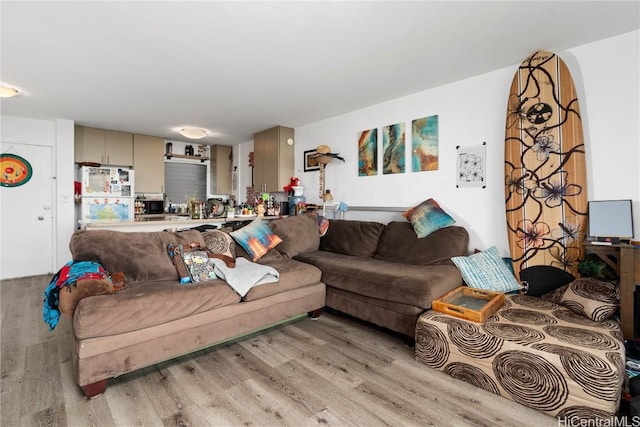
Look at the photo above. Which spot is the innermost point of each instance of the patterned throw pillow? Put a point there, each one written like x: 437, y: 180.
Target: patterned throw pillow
x: 592, y: 298
x: 256, y: 238
x: 198, y: 266
x: 486, y: 270
x: 221, y: 245
x: 428, y: 217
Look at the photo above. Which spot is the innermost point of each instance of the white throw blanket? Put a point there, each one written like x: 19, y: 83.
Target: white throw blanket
x: 245, y: 275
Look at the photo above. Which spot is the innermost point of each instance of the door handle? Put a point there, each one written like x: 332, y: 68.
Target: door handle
x: 40, y: 218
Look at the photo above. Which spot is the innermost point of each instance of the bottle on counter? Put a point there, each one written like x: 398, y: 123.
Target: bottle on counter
x: 297, y: 201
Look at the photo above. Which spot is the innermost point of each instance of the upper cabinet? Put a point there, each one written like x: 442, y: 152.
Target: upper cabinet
x: 221, y: 159
x: 107, y: 147
x: 273, y: 158
x: 148, y: 163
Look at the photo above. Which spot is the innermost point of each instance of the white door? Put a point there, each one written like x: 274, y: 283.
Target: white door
x: 26, y: 216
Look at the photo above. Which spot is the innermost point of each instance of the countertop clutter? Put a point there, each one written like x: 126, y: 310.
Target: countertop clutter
x: 169, y: 222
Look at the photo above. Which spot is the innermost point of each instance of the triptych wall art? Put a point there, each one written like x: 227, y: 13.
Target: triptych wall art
x: 368, y: 153
x: 424, y: 148
x: 424, y: 144
x: 470, y: 161
x: 393, y: 148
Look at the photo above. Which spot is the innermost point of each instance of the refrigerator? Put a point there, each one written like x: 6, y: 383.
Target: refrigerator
x: 107, y: 194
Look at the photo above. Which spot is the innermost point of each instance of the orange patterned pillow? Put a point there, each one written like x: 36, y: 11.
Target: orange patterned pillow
x: 256, y: 238
x: 428, y: 217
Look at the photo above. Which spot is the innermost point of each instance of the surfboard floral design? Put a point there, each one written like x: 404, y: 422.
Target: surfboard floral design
x: 545, y: 166
x: 554, y: 191
x: 544, y: 146
x: 532, y: 235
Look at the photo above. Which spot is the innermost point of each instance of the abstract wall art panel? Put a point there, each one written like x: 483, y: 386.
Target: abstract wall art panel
x: 368, y: 153
x: 424, y: 144
x: 393, y: 141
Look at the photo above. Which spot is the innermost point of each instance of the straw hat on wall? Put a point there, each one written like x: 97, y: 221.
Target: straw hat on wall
x: 324, y: 155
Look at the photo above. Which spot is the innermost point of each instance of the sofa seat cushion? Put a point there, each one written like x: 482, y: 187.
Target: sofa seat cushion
x: 293, y: 275
x: 141, y: 256
x: 147, y: 304
x: 401, y: 283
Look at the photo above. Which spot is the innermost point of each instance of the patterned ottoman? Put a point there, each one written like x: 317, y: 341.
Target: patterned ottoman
x: 533, y: 352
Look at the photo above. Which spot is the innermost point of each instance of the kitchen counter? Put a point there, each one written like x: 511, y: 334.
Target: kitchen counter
x: 160, y: 222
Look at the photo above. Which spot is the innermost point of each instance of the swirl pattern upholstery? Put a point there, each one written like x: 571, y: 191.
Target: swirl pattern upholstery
x: 534, y: 352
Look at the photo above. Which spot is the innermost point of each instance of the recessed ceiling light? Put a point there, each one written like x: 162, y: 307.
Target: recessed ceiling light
x: 8, y: 92
x: 193, y: 133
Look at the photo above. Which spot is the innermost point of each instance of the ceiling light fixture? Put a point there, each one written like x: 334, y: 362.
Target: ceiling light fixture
x: 8, y: 92
x: 193, y: 133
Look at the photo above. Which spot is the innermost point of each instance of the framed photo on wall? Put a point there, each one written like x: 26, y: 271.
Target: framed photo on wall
x: 310, y: 164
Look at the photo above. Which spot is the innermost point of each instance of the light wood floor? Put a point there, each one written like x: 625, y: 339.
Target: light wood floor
x: 333, y: 371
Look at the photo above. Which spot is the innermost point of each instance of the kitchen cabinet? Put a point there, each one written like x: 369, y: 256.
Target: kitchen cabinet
x: 107, y: 147
x: 273, y: 158
x: 221, y: 158
x: 148, y: 163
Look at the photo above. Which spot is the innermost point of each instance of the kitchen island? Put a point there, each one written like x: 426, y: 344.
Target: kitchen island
x: 170, y: 222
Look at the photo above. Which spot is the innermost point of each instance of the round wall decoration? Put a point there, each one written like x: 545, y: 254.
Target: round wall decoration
x: 14, y: 170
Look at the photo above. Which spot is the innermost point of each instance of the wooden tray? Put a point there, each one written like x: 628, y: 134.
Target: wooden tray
x: 469, y: 303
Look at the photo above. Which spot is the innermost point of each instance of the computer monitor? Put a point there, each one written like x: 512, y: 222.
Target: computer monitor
x: 610, y: 220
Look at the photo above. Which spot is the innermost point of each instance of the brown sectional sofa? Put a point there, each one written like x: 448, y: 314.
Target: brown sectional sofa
x: 379, y: 273
x: 156, y: 318
x: 385, y: 274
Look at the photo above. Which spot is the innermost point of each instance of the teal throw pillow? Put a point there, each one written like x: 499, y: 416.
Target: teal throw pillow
x: 256, y: 238
x: 486, y: 270
x: 428, y: 217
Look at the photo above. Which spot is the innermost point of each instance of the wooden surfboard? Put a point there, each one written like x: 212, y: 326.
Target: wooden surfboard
x: 545, y: 167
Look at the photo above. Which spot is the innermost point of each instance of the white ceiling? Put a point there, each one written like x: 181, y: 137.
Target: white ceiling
x: 236, y: 68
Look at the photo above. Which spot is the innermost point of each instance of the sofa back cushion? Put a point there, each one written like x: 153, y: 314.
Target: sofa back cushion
x: 139, y: 255
x: 399, y: 243
x: 299, y: 234
x: 358, y: 238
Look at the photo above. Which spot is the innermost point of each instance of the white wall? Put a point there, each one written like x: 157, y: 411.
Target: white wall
x: 472, y: 111
x: 58, y: 134
x: 610, y: 73
x: 65, y: 177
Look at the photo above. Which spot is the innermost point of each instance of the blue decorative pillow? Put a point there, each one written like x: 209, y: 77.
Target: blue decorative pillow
x: 256, y: 238
x: 428, y: 217
x: 486, y: 270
